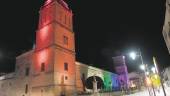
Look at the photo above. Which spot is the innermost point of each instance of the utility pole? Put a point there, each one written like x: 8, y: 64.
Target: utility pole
x: 145, y: 69
x: 157, y: 71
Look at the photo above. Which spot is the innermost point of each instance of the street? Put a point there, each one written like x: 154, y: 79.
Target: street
x: 146, y: 93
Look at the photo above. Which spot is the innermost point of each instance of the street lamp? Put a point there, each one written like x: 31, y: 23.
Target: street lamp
x: 133, y: 55
x: 147, y: 72
x: 153, y: 69
x: 142, y: 67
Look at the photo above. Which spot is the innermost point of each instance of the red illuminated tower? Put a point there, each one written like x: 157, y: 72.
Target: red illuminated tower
x: 54, y: 59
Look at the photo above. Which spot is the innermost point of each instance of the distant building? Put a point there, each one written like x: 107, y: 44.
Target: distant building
x: 136, y: 80
x: 121, y: 70
x: 166, y: 27
x: 50, y: 68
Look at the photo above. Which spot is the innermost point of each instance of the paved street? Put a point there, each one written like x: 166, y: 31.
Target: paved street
x: 146, y: 93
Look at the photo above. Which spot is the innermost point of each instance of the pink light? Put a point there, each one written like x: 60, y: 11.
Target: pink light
x: 48, y: 1
x: 42, y: 57
x: 44, y: 33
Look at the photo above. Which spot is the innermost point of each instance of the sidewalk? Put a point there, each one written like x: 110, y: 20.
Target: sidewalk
x: 146, y: 93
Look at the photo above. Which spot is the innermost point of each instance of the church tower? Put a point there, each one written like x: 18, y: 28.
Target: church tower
x: 54, y: 56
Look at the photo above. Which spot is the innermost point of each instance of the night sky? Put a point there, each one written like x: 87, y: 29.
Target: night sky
x: 103, y: 29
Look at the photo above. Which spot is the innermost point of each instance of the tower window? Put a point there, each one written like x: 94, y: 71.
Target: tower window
x: 27, y: 71
x: 69, y: 21
x: 66, y: 66
x: 65, y: 40
x: 65, y: 19
x: 60, y: 15
x: 26, y: 88
x: 66, y: 77
x: 42, y: 67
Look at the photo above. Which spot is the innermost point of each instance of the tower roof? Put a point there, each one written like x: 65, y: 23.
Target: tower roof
x: 63, y: 3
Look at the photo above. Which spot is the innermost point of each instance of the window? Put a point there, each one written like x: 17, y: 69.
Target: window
x: 60, y: 15
x: 66, y: 66
x: 66, y: 77
x: 69, y: 22
x: 83, y: 76
x: 65, y: 19
x: 27, y: 71
x: 26, y: 88
x: 65, y: 40
x: 42, y: 92
x: 42, y: 67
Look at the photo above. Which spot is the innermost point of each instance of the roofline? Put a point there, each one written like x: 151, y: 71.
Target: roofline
x: 24, y: 54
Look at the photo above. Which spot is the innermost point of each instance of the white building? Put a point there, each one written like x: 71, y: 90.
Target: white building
x: 166, y: 27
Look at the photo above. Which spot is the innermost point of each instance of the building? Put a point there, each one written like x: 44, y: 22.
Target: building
x: 121, y: 70
x: 166, y: 76
x: 50, y: 69
x: 136, y: 80
x: 166, y: 27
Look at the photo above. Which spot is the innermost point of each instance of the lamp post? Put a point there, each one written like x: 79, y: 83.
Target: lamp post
x: 157, y: 71
x: 133, y: 55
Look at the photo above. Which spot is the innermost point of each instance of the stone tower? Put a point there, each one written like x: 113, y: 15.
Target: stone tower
x: 54, y: 56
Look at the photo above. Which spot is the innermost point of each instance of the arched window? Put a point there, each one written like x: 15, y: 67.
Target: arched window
x: 42, y: 67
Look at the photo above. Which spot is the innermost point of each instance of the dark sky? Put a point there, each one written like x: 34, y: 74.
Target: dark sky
x: 103, y: 28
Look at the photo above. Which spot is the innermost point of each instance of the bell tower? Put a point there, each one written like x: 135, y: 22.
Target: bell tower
x: 54, y: 56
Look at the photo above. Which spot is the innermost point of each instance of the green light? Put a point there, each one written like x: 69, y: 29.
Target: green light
x: 107, y: 81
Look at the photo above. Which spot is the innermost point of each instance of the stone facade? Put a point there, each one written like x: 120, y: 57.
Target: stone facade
x: 50, y: 69
x: 19, y: 83
x: 166, y: 27
x: 83, y: 71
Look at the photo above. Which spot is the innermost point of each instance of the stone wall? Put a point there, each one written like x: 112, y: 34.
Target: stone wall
x: 109, y: 79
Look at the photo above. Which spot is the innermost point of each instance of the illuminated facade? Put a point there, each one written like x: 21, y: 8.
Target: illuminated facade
x: 50, y: 69
x: 121, y: 70
x: 166, y: 27
x: 83, y: 71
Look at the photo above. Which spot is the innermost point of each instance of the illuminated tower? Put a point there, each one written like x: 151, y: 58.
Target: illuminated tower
x: 54, y: 56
